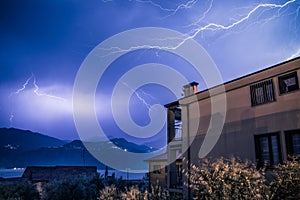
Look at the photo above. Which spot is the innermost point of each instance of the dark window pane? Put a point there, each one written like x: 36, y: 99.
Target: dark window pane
x: 178, y: 129
x: 270, y: 94
x: 275, y: 150
x: 264, y: 150
x: 262, y: 92
x: 296, y: 143
x: 268, y: 149
x: 288, y: 83
x: 260, y: 95
x: 292, y: 139
x: 156, y: 169
x: 174, y: 124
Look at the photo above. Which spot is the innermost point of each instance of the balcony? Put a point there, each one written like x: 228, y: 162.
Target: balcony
x: 174, y: 124
x: 178, y: 133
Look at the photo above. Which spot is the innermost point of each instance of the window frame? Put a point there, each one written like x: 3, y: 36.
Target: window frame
x: 174, y: 124
x: 289, y: 143
x: 266, y: 97
x: 290, y: 74
x: 260, y: 162
x: 157, y: 169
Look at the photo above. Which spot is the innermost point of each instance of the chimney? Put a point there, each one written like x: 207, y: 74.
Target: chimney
x: 190, y: 89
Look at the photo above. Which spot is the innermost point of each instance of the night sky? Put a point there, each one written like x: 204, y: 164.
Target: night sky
x: 44, y: 42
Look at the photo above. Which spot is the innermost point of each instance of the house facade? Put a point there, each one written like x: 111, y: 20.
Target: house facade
x: 262, y: 121
x: 158, y: 171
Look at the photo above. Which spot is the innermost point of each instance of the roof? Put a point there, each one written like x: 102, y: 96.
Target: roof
x: 172, y: 104
x: 161, y: 157
x: 51, y: 173
x: 236, y: 80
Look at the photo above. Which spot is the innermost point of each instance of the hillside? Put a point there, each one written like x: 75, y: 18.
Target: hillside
x: 24, y: 140
x: 20, y: 148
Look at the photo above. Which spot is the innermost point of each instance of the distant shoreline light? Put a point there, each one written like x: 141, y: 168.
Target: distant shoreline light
x: 17, y: 172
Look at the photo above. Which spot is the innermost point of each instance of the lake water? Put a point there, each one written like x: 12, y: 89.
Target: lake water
x: 11, y: 173
x: 17, y: 172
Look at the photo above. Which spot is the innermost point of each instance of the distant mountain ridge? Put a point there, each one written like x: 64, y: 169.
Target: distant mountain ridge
x: 26, y: 140
x: 21, y: 148
x: 129, y: 146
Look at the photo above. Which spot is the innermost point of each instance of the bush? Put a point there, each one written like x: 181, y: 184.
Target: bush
x: 19, y: 190
x: 74, y: 189
x: 227, y: 179
x: 219, y: 179
x: 286, y: 181
x: 134, y: 193
x: 109, y: 193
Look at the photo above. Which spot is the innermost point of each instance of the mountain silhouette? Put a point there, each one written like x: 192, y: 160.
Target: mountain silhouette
x: 21, y: 148
x: 23, y: 140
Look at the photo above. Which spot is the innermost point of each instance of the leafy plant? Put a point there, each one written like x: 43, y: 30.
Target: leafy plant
x: 227, y: 179
x: 74, y: 189
x: 109, y: 193
x: 285, y: 182
x: 134, y: 193
x: 19, y: 190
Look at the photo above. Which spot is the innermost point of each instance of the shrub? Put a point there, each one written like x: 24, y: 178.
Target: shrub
x: 19, y: 190
x: 109, y: 193
x: 286, y: 180
x: 74, y: 189
x: 134, y: 193
x: 156, y: 193
x: 227, y: 179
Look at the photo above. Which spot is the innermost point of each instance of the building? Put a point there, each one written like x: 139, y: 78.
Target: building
x: 158, y: 170
x: 46, y: 174
x: 262, y: 121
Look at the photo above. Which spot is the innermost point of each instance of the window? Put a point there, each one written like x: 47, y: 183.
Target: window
x: 156, y: 169
x: 178, y: 123
x: 175, y: 174
x: 179, y: 167
x: 262, y: 92
x: 288, y: 83
x: 268, y: 149
x: 292, y: 139
x: 175, y: 124
x: 175, y: 169
x: 178, y: 129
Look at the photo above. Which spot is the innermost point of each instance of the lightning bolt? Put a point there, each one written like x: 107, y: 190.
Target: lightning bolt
x: 36, y: 91
x: 172, y: 11
x: 144, y: 102
x: 296, y: 54
x: 216, y: 27
x: 149, y: 95
x: 213, y: 27
x: 22, y: 88
x: 32, y: 80
x: 11, y: 119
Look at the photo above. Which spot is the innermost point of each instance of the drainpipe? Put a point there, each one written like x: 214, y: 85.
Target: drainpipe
x: 188, y: 152
x: 189, y: 89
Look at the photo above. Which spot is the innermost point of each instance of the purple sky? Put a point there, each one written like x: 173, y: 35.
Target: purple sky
x: 43, y: 44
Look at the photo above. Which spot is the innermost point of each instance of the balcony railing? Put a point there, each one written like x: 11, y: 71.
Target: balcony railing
x: 178, y: 133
